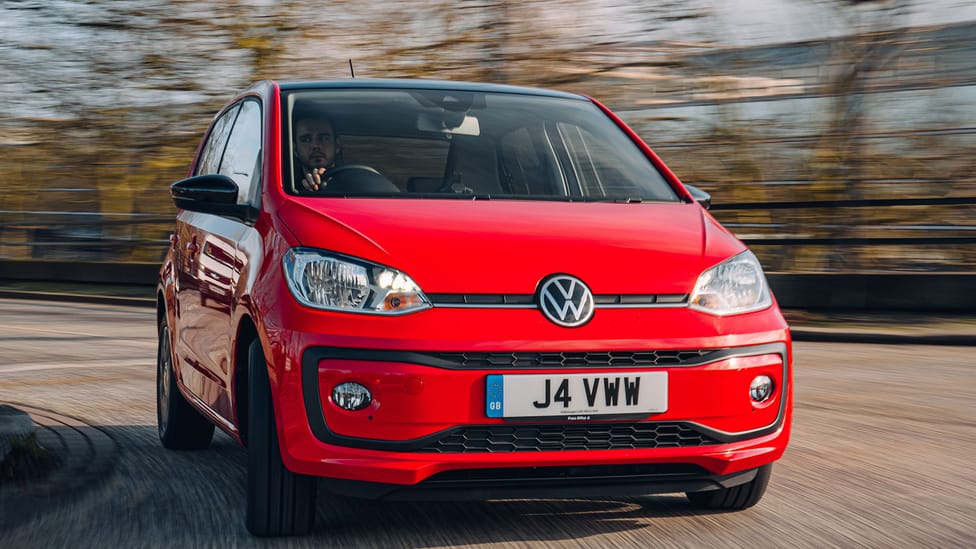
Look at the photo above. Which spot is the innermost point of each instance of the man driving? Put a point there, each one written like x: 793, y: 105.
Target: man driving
x: 317, y: 148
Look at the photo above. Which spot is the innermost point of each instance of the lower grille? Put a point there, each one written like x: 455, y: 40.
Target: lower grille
x: 554, y: 438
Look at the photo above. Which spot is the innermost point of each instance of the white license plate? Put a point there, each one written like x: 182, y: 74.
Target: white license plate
x: 576, y: 396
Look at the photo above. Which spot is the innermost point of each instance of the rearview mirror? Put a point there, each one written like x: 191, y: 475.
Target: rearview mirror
x: 448, y: 122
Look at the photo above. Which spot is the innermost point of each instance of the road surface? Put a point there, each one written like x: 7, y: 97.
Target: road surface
x: 881, y: 456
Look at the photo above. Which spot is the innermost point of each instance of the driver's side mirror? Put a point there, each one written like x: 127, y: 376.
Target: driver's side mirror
x: 700, y: 196
x: 213, y: 194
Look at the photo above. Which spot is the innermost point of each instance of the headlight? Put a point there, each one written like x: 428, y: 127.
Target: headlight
x: 331, y: 281
x: 734, y: 286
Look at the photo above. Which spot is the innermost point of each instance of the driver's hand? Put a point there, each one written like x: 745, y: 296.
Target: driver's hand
x: 313, y: 179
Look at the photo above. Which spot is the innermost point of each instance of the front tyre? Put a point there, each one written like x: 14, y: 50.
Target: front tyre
x: 735, y: 498
x: 279, y: 502
x: 180, y: 426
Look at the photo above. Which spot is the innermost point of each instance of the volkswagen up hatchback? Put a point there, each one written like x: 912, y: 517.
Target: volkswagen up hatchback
x: 418, y: 289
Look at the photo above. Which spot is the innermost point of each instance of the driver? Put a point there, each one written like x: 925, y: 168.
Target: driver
x: 317, y: 148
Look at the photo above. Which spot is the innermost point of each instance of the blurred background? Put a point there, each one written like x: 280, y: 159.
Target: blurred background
x: 833, y: 135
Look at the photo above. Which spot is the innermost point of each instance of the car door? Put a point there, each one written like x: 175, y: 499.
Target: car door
x: 210, y: 266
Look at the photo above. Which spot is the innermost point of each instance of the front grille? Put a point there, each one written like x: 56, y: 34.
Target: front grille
x: 591, y: 359
x: 554, y: 438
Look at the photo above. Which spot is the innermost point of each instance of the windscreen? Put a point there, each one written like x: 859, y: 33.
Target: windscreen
x: 460, y: 144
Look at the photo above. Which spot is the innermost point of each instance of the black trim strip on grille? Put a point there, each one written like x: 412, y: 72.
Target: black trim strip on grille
x: 444, y: 300
x: 571, y: 360
x: 316, y: 416
x: 527, y: 301
x: 533, y: 360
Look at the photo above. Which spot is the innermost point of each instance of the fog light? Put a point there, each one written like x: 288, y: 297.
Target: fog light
x: 351, y: 396
x: 761, y: 388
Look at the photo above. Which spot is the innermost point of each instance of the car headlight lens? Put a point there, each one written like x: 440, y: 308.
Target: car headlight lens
x: 335, y: 282
x: 734, y: 286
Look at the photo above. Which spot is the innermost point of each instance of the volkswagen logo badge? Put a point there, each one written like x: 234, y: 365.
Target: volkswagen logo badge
x: 566, y: 301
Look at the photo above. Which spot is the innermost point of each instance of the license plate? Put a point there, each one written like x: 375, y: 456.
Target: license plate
x: 576, y: 396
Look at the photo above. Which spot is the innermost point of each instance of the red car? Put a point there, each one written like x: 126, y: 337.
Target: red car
x: 419, y: 289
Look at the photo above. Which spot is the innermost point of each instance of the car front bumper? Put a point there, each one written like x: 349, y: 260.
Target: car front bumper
x: 427, y: 426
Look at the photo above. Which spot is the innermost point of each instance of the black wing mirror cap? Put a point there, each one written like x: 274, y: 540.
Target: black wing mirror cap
x: 213, y: 194
x: 700, y: 196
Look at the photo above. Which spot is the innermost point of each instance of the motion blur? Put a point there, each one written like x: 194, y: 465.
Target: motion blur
x: 788, y: 101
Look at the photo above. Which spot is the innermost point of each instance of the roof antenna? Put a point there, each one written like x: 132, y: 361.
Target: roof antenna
x: 351, y: 70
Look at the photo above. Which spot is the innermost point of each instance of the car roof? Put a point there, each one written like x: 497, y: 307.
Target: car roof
x: 414, y: 84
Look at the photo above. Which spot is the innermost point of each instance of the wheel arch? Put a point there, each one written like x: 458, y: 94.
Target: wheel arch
x: 247, y: 333
x: 160, y: 309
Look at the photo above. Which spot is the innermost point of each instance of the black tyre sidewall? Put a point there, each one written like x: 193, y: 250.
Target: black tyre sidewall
x: 279, y: 502
x: 185, y: 428
x: 735, y: 498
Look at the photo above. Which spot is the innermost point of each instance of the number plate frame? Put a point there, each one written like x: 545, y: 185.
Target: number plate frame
x: 521, y: 396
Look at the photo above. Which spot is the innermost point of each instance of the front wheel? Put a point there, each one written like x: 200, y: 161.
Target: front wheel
x: 180, y: 426
x: 279, y: 502
x: 735, y: 498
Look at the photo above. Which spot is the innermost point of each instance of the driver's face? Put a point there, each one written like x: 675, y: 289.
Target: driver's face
x: 315, y: 143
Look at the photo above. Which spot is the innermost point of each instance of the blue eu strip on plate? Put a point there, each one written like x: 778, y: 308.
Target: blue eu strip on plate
x: 495, y: 396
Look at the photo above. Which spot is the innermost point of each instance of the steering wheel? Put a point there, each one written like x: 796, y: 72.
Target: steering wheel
x: 334, y: 171
x: 355, y: 178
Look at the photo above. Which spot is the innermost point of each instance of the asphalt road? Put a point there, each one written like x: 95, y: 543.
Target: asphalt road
x: 881, y: 456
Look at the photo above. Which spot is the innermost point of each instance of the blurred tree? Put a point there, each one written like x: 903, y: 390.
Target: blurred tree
x: 838, y: 161
x: 109, y: 99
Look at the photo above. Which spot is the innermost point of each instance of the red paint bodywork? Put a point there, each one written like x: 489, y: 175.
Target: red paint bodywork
x: 455, y: 246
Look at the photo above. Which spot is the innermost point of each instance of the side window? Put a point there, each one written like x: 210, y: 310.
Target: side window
x: 214, y: 148
x: 242, y: 157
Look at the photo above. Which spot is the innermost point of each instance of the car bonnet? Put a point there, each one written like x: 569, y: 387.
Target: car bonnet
x: 509, y: 246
